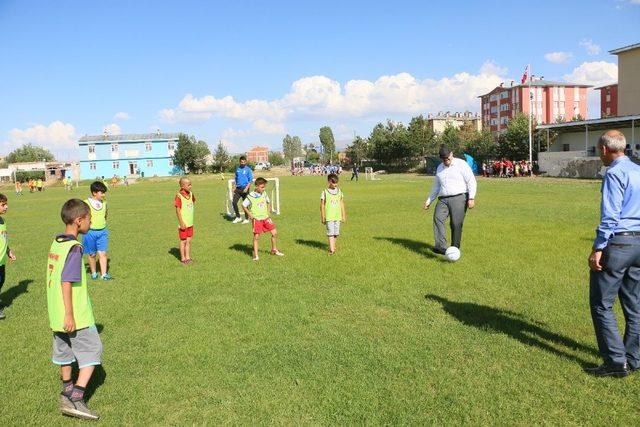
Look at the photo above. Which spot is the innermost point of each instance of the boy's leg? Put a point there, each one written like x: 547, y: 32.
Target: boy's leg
x: 274, y: 240
x: 92, y: 263
x: 102, y: 258
x: 256, y: 240
x: 187, y: 248
x: 183, y: 243
x: 332, y: 244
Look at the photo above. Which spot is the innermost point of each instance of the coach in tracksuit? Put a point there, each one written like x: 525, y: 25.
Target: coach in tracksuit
x: 243, y: 178
x: 455, y: 187
x: 615, y: 260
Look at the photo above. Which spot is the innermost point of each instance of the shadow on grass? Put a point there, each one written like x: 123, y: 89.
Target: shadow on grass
x: 313, y: 244
x: 98, y: 378
x: 175, y: 252
x: 421, y: 248
x: 514, y: 325
x: 245, y: 249
x: 14, y: 292
x: 226, y: 217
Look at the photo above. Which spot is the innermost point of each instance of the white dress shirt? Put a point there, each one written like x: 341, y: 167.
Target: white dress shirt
x: 457, y: 178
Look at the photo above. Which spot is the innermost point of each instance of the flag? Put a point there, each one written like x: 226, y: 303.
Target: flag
x: 525, y: 75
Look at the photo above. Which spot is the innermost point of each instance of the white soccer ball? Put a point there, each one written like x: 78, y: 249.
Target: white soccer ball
x: 452, y: 253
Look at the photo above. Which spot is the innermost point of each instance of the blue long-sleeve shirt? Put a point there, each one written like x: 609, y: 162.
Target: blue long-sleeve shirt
x: 620, y: 207
x: 243, y: 176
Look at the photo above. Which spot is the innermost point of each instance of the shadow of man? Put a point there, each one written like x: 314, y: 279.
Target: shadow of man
x: 7, y: 297
x: 421, y: 248
x: 313, y: 244
x: 515, y: 325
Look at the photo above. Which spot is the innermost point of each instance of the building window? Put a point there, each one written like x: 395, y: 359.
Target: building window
x: 114, y: 148
x: 92, y: 166
x: 116, y: 165
x: 504, y: 107
x: 608, y: 97
x: 566, y: 147
x: 494, y: 109
x: 92, y: 148
x: 494, y: 122
x: 147, y: 146
x: 608, y: 111
x: 149, y: 163
x: 504, y: 120
x: 504, y: 95
x: 171, y: 163
x: 171, y: 145
x: 493, y: 98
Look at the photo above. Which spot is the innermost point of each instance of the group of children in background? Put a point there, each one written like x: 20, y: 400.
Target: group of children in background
x: 71, y: 319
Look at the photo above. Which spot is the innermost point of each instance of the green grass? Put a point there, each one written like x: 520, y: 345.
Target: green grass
x: 383, y: 332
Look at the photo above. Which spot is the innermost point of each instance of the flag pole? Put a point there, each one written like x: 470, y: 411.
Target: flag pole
x: 530, y: 116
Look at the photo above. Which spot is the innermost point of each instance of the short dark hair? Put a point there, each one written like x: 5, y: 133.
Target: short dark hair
x: 72, y: 209
x: 243, y: 158
x: 260, y: 181
x: 332, y: 177
x: 444, y: 151
x: 3, y: 198
x: 98, y: 186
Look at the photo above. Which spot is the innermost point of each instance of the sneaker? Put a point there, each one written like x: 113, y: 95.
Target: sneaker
x: 256, y: 258
x: 78, y: 409
x: 607, y: 370
x: 277, y: 252
x: 2, y: 315
x: 107, y: 277
x: 237, y: 220
x: 246, y: 221
x: 65, y: 403
x: 94, y: 275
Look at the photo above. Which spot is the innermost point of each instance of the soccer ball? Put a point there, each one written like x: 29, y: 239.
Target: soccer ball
x: 452, y: 253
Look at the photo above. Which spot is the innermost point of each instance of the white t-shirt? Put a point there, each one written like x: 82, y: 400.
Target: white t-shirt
x: 334, y: 192
x: 247, y: 203
x: 97, y: 204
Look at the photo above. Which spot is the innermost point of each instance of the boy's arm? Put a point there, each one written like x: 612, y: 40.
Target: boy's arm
x: 322, y: 216
x: 344, y: 212
x: 247, y: 212
x: 180, y: 221
x: 67, y: 299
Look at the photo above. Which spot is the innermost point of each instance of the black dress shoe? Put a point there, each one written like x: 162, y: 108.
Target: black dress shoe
x: 607, y: 370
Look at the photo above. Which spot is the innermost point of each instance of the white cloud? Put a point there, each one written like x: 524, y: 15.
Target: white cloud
x: 55, y: 136
x: 590, y: 46
x: 321, y: 97
x: 558, y: 57
x: 121, y: 115
x: 112, y: 129
x: 595, y: 73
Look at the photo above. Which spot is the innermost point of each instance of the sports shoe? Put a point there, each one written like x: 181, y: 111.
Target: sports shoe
x: 65, y: 403
x: 256, y: 258
x: 94, y: 275
x: 607, y: 370
x: 77, y: 409
x: 107, y: 277
x: 277, y: 252
x: 2, y: 315
x: 237, y: 220
x: 246, y: 221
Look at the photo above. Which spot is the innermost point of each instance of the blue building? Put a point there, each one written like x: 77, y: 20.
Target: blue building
x: 128, y: 155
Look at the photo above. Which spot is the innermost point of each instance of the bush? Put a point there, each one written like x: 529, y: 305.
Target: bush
x: 24, y: 176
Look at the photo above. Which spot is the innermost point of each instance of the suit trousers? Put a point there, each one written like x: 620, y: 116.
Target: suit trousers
x: 454, y: 207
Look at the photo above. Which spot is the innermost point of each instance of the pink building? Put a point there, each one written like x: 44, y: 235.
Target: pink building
x: 608, y: 100
x: 550, y: 102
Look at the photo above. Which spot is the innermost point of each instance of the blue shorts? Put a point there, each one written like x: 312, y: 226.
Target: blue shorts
x: 95, y: 241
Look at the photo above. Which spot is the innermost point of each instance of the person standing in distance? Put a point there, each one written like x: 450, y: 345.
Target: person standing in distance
x: 615, y: 261
x: 243, y: 180
x: 455, y: 187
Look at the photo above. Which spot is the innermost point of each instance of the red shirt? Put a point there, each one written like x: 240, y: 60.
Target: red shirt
x: 178, y: 201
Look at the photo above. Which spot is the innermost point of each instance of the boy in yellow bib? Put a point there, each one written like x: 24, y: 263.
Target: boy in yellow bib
x: 5, y: 252
x: 332, y: 211
x: 184, y: 203
x: 257, y: 207
x: 75, y: 337
x: 97, y: 239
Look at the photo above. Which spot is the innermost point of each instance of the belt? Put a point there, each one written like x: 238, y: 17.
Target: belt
x: 627, y: 233
x: 453, y: 195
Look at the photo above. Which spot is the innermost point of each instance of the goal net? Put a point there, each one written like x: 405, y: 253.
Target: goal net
x: 370, y: 175
x: 273, y: 190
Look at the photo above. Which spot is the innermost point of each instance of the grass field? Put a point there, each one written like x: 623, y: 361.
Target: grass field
x: 383, y: 332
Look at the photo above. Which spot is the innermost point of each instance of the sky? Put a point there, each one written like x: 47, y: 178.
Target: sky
x: 247, y: 73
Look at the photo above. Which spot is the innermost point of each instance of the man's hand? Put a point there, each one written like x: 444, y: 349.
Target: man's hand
x: 471, y: 203
x: 426, y: 205
x: 69, y: 323
x: 594, y: 261
x: 12, y: 257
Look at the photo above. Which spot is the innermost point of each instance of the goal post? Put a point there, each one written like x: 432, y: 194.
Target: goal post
x: 272, y: 190
x: 370, y: 175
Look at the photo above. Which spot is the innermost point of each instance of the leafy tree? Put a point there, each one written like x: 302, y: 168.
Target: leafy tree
x: 291, y: 147
x: 450, y: 137
x: 191, y: 154
x: 358, y: 150
x: 29, y: 153
x: 422, y: 138
x: 514, y: 142
x: 276, y: 158
x: 221, y: 158
x: 311, y: 153
x: 328, y: 143
x: 479, y: 145
x: 390, y: 146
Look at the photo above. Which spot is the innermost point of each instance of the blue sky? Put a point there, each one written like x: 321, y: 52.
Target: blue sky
x: 249, y: 72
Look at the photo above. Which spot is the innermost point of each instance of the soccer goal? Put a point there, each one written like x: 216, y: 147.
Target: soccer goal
x: 272, y: 190
x: 370, y: 175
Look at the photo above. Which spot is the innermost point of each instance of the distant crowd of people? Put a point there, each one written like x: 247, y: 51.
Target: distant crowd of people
x: 505, y: 168
x: 317, y: 170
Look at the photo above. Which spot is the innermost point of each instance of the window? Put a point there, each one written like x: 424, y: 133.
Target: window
x: 566, y: 147
x: 92, y: 148
x: 116, y: 165
x: 504, y: 107
x: 493, y: 98
x: 114, y: 148
x: 92, y: 166
x: 494, y: 109
x: 171, y: 163
x: 171, y: 145
x: 149, y: 163
x: 608, y: 97
x: 608, y: 111
x: 504, y: 120
x: 148, y: 146
x: 576, y: 94
x: 504, y: 95
x: 494, y: 122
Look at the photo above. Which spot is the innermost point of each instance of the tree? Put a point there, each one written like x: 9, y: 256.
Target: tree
x: 514, y: 142
x: 29, y: 153
x: 358, y: 150
x: 422, y: 138
x: 328, y: 143
x: 291, y: 147
x: 479, y: 145
x: 191, y: 154
x: 450, y: 137
x: 276, y: 158
x: 221, y: 158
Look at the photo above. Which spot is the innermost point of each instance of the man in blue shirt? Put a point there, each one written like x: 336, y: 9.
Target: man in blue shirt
x: 243, y: 179
x: 615, y: 261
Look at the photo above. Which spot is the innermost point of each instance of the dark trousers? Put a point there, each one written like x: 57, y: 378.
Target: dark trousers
x: 620, y: 277
x: 454, y: 207
x: 354, y: 174
x: 1, y: 276
x: 237, y: 195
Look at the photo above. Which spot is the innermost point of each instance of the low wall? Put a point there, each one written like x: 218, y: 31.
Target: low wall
x: 570, y: 164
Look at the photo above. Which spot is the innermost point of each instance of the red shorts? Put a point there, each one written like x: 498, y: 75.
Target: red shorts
x: 187, y: 232
x: 263, y: 225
